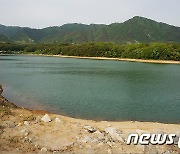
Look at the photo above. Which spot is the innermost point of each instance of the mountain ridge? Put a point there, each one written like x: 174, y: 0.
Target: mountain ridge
x: 136, y: 29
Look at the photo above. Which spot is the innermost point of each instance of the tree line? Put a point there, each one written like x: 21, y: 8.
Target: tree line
x: 158, y: 51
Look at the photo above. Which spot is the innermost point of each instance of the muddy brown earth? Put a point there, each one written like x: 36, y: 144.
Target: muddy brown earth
x: 26, y: 131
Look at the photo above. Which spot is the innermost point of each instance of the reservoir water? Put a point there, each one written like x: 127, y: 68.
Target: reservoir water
x: 93, y: 89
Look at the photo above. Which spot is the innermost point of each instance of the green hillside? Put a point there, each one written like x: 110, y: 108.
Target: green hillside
x: 137, y: 29
x: 3, y: 39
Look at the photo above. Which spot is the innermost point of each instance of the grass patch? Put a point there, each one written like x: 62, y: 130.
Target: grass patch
x: 29, y: 118
x: 4, y: 111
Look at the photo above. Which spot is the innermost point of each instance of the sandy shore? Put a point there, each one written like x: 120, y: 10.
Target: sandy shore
x: 24, y: 131
x: 117, y: 59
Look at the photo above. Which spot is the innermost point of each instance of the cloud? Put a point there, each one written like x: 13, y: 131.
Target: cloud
x: 43, y: 13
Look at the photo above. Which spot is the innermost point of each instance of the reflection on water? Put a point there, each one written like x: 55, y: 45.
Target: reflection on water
x: 9, y: 59
x: 93, y: 89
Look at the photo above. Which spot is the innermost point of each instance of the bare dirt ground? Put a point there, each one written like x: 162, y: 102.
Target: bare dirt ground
x: 24, y: 131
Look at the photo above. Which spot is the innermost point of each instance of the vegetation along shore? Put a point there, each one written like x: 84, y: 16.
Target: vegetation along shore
x: 152, y: 52
x: 23, y: 130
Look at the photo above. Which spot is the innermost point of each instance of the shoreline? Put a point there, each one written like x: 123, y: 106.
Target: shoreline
x: 115, y: 59
x: 23, y: 130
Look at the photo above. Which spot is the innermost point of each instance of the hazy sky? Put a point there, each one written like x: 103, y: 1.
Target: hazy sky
x: 43, y: 13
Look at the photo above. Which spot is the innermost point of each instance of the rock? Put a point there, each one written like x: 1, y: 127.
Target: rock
x: 21, y: 115
x: 90, y: 129
x: 119, y: 138
x: 44, y: 149
x: 23, y: 130
x: 95, y: 140
x: 98, y: 133
x: 26, y: 122
x: 170, y: 151
x: 36, y: 145
x: 99, y: 137
x: 167, y: 152
x: 46, y: 118
x: 10, y: 124
x: 114, y: 134
x: 86, y: 139
x: 110, y: 144
x: 176, y: 140
x: 110, y: 130
x: 57, y: 120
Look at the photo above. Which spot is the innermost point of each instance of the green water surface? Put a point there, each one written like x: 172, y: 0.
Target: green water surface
x: 93, y: 89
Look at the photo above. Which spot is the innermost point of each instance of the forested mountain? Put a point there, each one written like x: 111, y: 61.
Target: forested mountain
x: 137, y: 29
x: 3, y: 39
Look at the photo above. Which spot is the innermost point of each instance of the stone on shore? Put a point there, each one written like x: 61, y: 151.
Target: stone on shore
x: 86, y: 139
x: 89, y: 129
x: 10, y: 124
x: 23, y: 130
x: 167, y: 152
x: 57, y: 120
x: 44, y: 149
x: 110, y: 130
x: 46, y: 118
x: 26, y: 122
x: 114, y: 134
